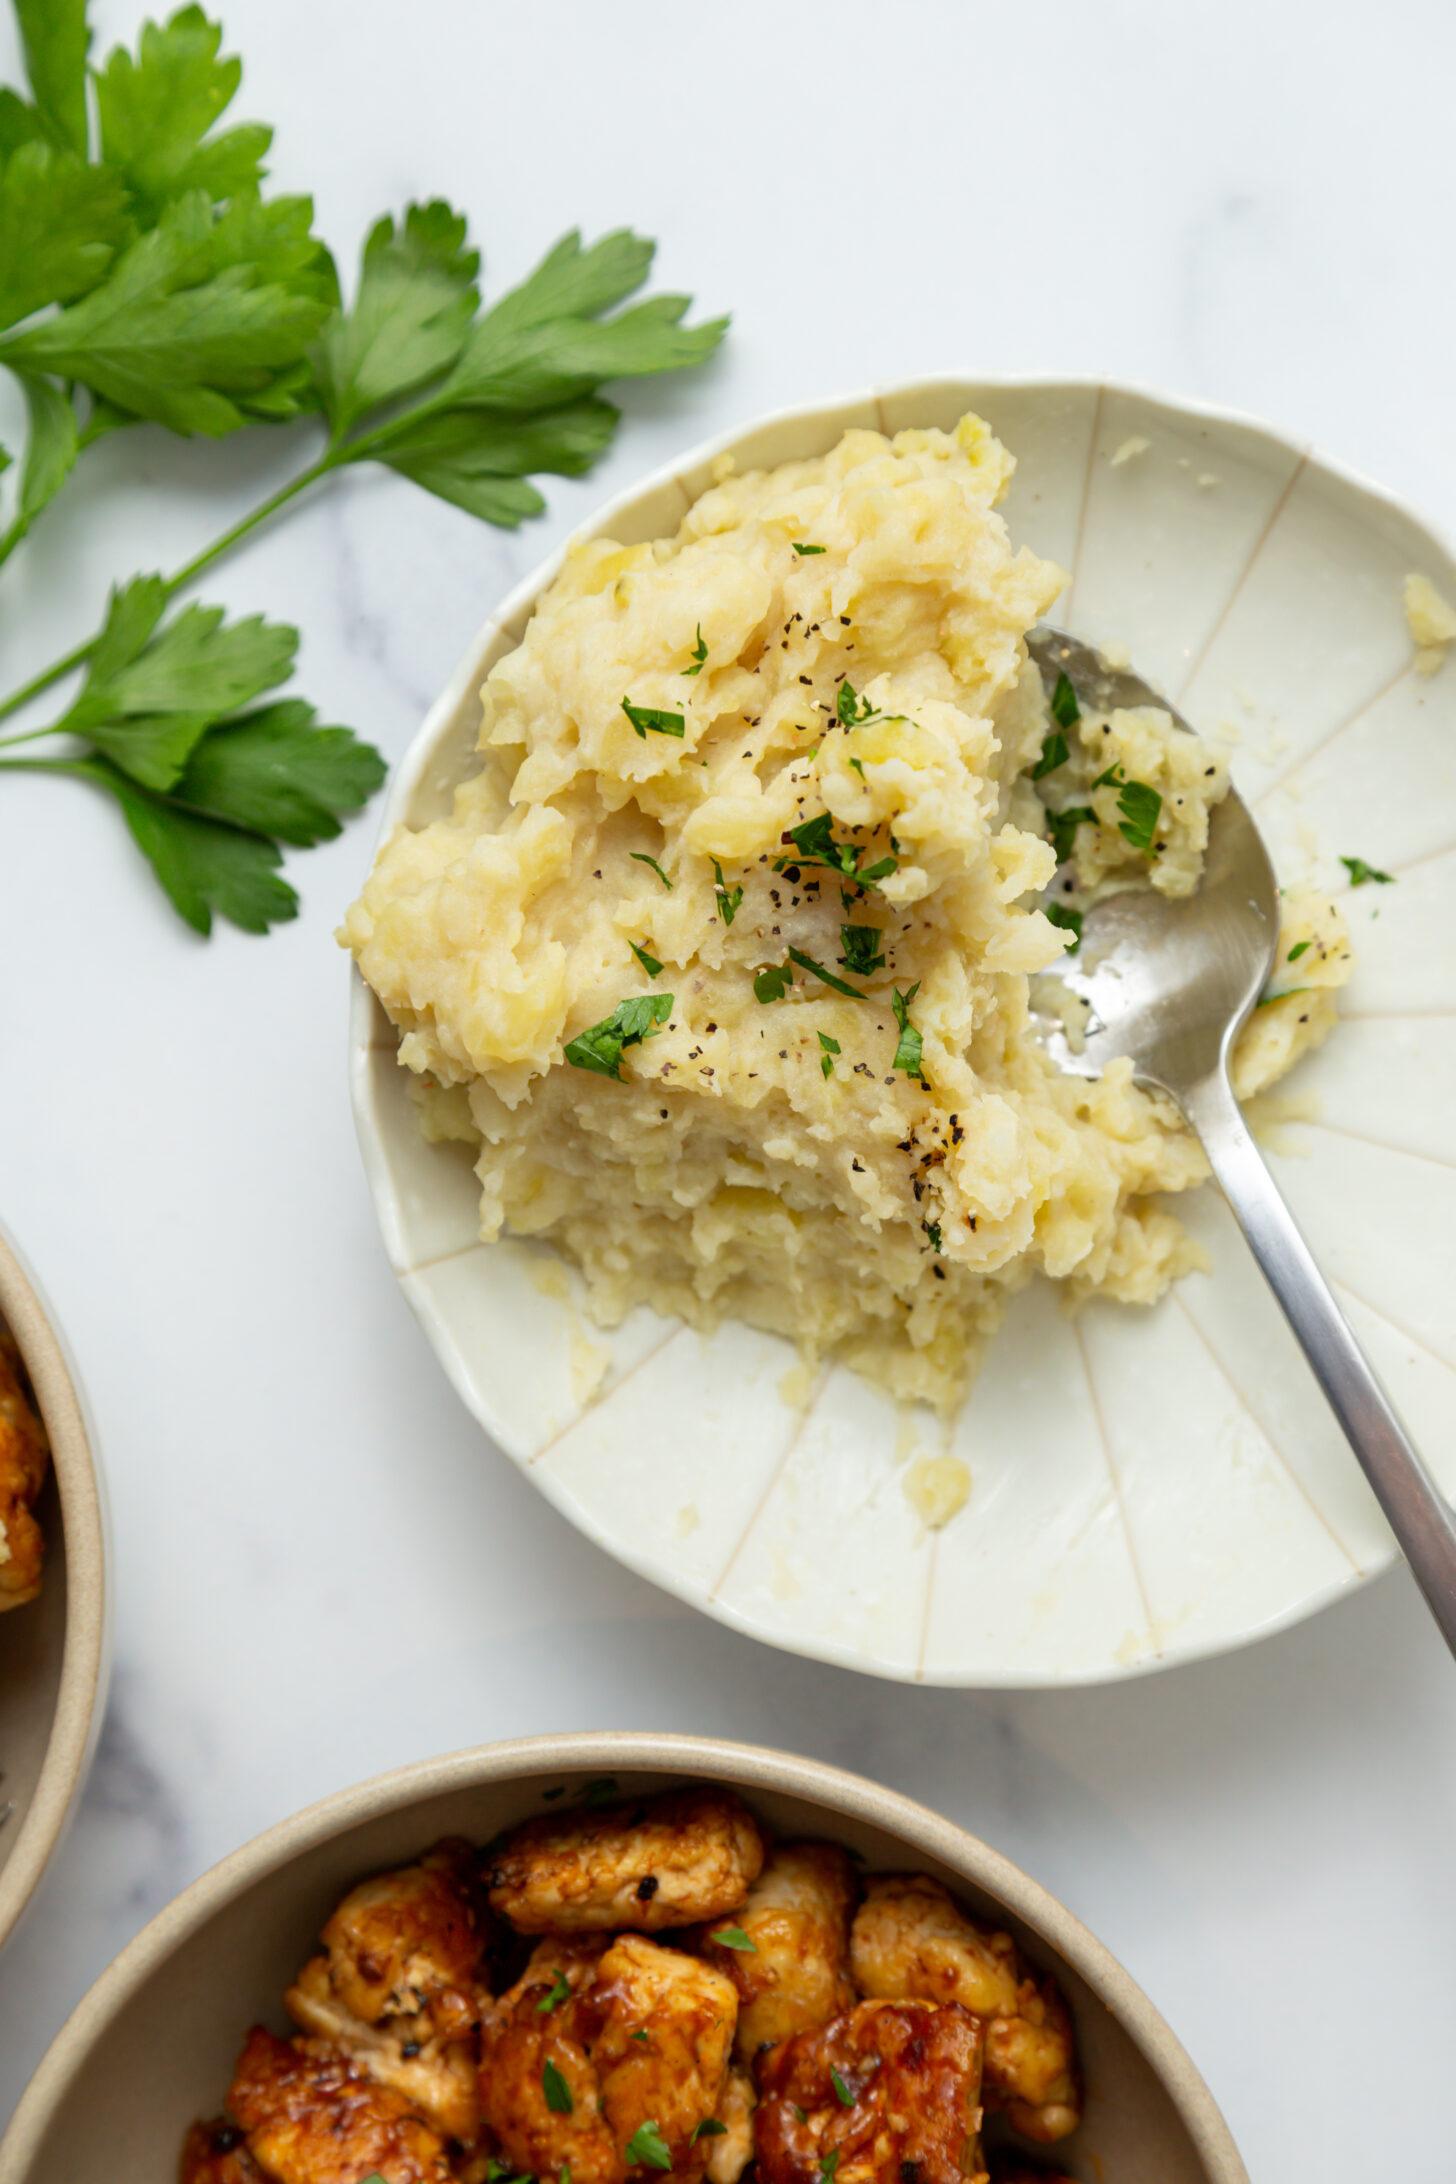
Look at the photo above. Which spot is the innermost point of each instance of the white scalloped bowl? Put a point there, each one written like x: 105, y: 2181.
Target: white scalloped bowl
x: 1146, y: 1486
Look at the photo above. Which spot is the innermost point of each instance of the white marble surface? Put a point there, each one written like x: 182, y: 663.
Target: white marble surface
x: 321, y: 1570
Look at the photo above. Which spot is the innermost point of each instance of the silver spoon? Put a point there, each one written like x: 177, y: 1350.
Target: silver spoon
x: 1171, y: 985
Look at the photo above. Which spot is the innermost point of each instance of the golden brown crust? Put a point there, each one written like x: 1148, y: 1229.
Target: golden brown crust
x: 24, y: 1459
x: 411, y: 1942
x: 217, y: 2153
x: 311, y: 2117
x: 731, y: 2150
x: 797, y: 1916
x: 642, y: 1865
x: 662, y: 2054
x: 912, y: 2072
x: 527, y: 2034
x: 437, y: 2077
x: 911, y: 1938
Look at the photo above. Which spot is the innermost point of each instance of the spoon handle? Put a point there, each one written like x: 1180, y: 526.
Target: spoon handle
x: 1414, y: 1507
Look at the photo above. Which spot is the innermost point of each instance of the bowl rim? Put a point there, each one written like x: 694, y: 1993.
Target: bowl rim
x: 746, y: 1766
x: 86, y: 1658
x: 519, y: 602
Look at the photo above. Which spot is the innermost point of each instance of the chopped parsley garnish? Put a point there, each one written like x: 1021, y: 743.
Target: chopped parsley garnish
x: 1140, y: 805
x: 831, y: 1048
x: 1360, y: 872
x: 640, y: 856
x: 733, y: 1937
x: 932, y: 1230
x: 814, y: 844
x: 698, y: 655
x: 807, y: 963
x: 558, y: 1993
x: 1065, y: 710
x: 556, y: 2090
x: 600, y: 1048
x: 642, y: 2036
x: 774, y: 983
x: 862, y: 950
x: 800, y: 548
x: 828, y: 2167
x: 710, y: 2127
x: 728, y: 897
x: 644, y: 717
x: 1070, y: 921
x: 1053, y: 754
x: 909, y: 1050
x: 1267, y: 1000
x: 841, y: 2091
x: 648, y: 2147
x: 1297, y: 951
x: 858, y: 765
x: 851, y: 710
x: 1113, y: 778
x: 648, y: 962
x: 494, y: 2171
x: 1064, y: 825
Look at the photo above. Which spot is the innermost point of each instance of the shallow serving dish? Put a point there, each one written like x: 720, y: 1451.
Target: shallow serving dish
x: 153, y: 2044
x: 1147, y: 1487
x: 55, y: 1653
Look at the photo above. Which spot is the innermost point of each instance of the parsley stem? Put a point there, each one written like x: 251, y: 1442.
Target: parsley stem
x: 177, y: 581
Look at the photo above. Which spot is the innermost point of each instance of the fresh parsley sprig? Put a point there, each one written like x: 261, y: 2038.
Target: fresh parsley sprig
x: 910, y: 1048
x: 145, y: 277
x: 600, y: 1047
x: 814, y: 844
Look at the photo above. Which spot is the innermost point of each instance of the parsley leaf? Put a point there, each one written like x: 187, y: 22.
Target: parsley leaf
x: 50, y: 451
x: 648, y: 962
x: 1297, y: 951
x: 644, y: 717
x: 1053, y: 754
x: 204, y: 866
x: 1267, y: 1000
x: 60, y: 225
x: 841, y: 2091
x: 710, y: 2127
x: 908, y: 1052
x: 1064, y: 825
x: 852, y: 711
x: 557, y: 1993
x: 862, y: 950
x: 828, y: 2167
x: 275, y: 772
x: 773, y: 983
x: 556, y: 2090
x: 480, y: 464
x: 733, y: 1937
x: 698, y: 655
x: 1111, y: 779
x: 640, y: 856
x: 1069, y: 920
x: 600, y: 1047
x: 156, y: 111
x: 814, y: 844
x: 807, y: 963
x: 175, y: 333
x: 1140, y: 805
x: 932, y: 1230
x: 56, y: 42
x: 1065, y: 710
x: 801, y: 549
x: 826, y: 1059
x: 728, y: 897
x: 647, y: 2148
x: 415, y: 301
x: 1360, y: 872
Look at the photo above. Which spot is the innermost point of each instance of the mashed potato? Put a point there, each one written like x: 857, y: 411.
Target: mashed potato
x: 722, y: 959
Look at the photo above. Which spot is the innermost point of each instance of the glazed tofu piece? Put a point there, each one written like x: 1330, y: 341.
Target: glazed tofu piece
x: 731, y: 2149
x: 24, y: 1457
x: 796, y: 1916
x: 645, y: 1864
x: 911, y: 1938
x: 607, y: 2058
x: 397, y: 1986
x: 887, y: 2092
x: 310, y: 2116
x: 217, y: 2153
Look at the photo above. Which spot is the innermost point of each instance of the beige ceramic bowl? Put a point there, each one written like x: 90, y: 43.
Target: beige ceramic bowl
x: 55, y: 1654
x: 153, y: 2044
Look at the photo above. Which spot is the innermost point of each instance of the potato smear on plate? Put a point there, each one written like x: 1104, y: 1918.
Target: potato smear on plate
x: 817, y: 2025
x: 721, y: 961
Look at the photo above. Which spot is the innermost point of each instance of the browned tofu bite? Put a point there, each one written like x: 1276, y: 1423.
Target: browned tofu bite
x: 24, y: 1459
x: 794, y: 1973
x: 397, y: 1987
x: 644, y: 1864
x: 911, y: 1938
x: 309, y: 2116
x: 607, y: 2058
x: 886, y: 2092
x: 731, y: 2147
